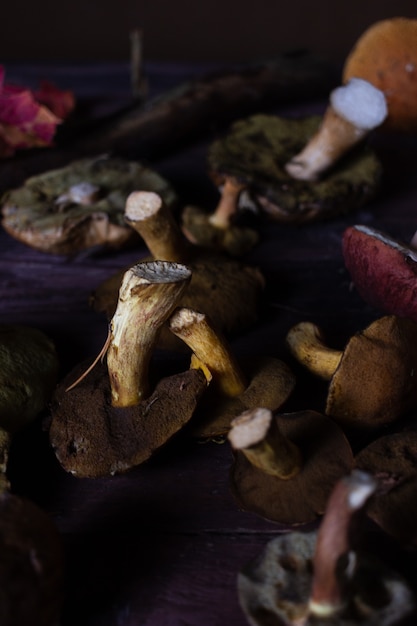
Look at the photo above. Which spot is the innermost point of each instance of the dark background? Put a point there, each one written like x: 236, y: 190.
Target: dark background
x: 186, y: 30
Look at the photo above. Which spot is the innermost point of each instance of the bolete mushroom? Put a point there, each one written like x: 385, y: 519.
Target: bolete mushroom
x: 286, y: 465
x: 255, y: 152
x: 383, y: 269
x: 386, y: 56
x: 231, y: 302
x: 353, y: 111
x: 234, y: 386
x: 372, y: 381
x: 118, y: 415
x: 80, y: 206
x: 325, y: 577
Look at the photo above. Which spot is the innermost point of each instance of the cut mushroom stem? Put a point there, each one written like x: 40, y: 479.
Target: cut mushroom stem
x: 228, y: 204
x: 148, y: 294
x: 210, y: 349
x: 307, y: 346
x: 354, y: 110
x: 149, y: 216
x: 334, y: 559
x: 257, y: 435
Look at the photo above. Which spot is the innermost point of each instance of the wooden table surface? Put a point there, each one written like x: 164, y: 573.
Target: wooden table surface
x: 162, y: 544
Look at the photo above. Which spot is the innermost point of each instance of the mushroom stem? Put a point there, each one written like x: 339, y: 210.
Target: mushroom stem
x: 334, y: 560
x: 149, y: 216
x: 210, y: 349
x: 307, y: 346
x: 257, y: 435
x: 354, y: 110
x: 227, y: 206
x: 148, y: 294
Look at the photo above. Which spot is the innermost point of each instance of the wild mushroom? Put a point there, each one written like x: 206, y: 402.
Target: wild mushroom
x: 354, y: 110
x: 214, y: 289
x: 325, y: 577
x: 255, y: 151
x: 234, y: 387
x: 382, y: 269
x: 80, y: 206
x: 392, y: 459
x: 31, y: 570
x: 371, y: 382
x: 386, y: 56
x: 118, y: 415
x: 285, y: 466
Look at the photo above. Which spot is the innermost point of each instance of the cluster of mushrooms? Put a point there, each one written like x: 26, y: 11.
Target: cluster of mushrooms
x: 190, y: 295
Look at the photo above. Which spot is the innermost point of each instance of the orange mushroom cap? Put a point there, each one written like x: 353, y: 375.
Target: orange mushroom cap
x: 386, y: 56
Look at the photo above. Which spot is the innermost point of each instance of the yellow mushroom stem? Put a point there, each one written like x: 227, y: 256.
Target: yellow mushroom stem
x: 211, y: 350
x: 306, y: 343
x: 227, y: 206
x: 148, y: 294
x: 149, y: 216
x: 257, y: 435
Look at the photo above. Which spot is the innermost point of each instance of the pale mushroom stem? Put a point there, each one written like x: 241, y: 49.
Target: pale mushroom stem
x: 334, y: 560
x: 210, y: 349
x: 354, y: 110
x: 148, y: 294
x: 257, y: 435
x: 228, y: 204
x: 149, y: 216
x: 307, y: 346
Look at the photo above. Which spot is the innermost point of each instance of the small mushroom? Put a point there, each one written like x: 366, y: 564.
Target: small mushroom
x: 382, y: 269
x: 118, y: 415
x: 372, y: 381
x: 214, y: 289
x: 354, y: 110
x: 325, y: 577
x: 80, y: 206
x: 285, y: 466
x: 386, y: 56
x: 234, y: 387
x: 392, y: 459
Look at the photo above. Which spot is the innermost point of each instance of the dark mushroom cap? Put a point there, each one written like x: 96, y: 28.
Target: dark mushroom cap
x: 326, y: 457
x: 32, y: 214
x: 383, y: 270
x: 31, y: 568
x: 374, y: 383
x: 256, y: 150
x: 92, y: 438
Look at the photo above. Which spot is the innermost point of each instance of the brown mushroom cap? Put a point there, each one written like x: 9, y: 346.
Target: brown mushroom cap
x: 31, y: 569
x: 386, y: 56
x: 326, y: 457
x: 37, y: 213
x: 392, y: 459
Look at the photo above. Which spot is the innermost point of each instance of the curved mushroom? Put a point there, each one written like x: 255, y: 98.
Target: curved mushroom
x: 285, y: 466
x: 231, y: 303
x: 80, y: 206
x: 371, y: 382
x: 324, y: 576
x: 386, y: 56
x: 234, y: 387
x: 118, y: 415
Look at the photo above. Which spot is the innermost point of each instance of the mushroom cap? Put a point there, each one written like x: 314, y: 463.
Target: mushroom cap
x: 386, y: 56
x: 214, y: 289
x: 34, y: 215
x: 256, y: 150
x: 31, y: 569
x: 374, y: 383
x: 392, y: 459
x: 326, y: 456
x: 91, y: 438
x: 383, y: 270
x: 271, y: 382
